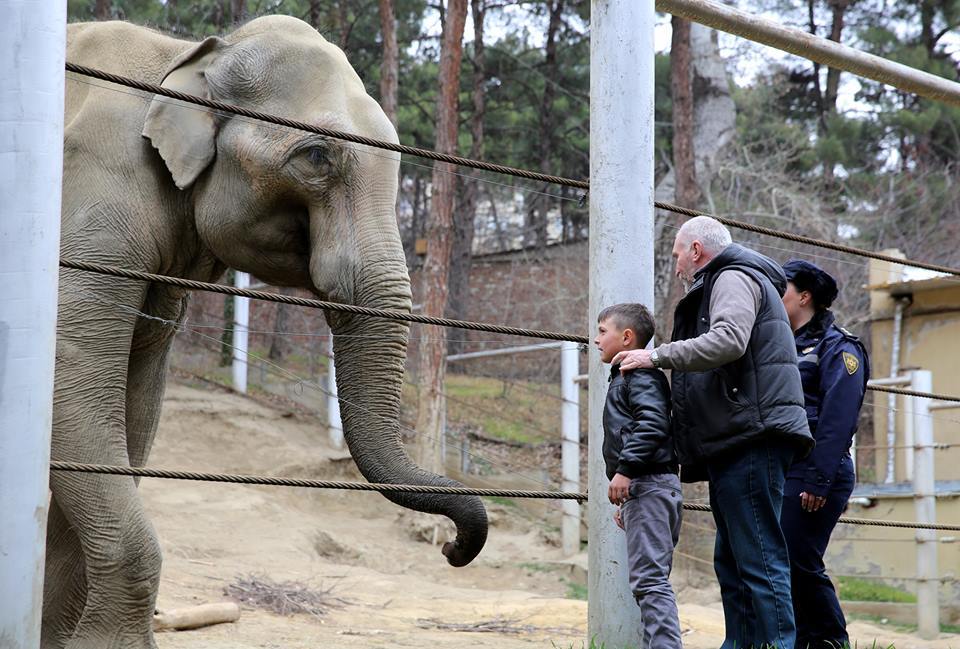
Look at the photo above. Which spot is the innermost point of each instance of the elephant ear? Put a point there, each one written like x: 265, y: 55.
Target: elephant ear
x: 185, y: 134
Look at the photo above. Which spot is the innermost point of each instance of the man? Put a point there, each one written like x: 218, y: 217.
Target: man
x: 739, y: 419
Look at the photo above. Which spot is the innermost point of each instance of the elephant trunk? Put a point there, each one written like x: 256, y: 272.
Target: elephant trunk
x: 370, y: 354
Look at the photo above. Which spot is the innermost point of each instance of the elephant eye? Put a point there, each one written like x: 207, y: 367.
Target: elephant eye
x: 318, y: 158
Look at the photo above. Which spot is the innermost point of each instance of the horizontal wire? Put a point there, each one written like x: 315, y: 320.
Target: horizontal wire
x: 479, y: 164
x: 362, y: 151
x: 407, y: 488
x: 311, y: 484
x: 390, y: 314
x: 326, y: 132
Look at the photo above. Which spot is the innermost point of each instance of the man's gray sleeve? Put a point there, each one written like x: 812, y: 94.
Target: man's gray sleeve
x: 734, y: 304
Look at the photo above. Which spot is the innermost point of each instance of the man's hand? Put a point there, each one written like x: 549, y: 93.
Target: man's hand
x: 633, y: 359
x: 619, y: 491
x: 811, y: 503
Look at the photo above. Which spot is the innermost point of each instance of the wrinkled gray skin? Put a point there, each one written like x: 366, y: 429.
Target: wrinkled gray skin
x: 164, y: 188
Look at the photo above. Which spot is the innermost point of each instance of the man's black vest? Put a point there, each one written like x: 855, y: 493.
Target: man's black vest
x: 756, y: 396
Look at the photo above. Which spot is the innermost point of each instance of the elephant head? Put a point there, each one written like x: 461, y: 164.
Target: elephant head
x: 297, y: 209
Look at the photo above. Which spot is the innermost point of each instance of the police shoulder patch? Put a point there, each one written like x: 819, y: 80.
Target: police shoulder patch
x: 851, y: 362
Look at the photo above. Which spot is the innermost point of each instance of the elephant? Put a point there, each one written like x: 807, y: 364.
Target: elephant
x: 161, y: 186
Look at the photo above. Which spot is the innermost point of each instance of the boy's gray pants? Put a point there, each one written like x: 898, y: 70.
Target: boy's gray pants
x: 651, y: 519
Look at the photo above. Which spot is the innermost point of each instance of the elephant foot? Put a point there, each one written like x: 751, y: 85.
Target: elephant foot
x: 113, y: 641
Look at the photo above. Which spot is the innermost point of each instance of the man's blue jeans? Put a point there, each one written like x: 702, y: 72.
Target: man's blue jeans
x: 750, y: 556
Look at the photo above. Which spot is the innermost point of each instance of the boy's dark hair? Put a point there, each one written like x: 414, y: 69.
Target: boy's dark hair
x: 631, y: 315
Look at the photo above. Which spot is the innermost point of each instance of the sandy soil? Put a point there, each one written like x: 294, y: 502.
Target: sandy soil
x: 385, y: 589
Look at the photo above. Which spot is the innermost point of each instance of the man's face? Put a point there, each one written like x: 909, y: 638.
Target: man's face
x: 610, y: 339
x: 685, y: 255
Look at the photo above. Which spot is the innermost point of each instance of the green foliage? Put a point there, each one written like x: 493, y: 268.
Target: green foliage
x: 577, y: 591
x: 863, y: 590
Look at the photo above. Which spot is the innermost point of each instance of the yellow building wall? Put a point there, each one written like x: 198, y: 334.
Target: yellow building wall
x: 929, y: 342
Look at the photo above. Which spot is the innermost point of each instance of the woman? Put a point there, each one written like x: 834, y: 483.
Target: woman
x: 834, y: 369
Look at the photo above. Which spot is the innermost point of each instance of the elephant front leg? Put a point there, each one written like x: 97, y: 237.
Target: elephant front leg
x: 64, y: 581
x: 122, y: 560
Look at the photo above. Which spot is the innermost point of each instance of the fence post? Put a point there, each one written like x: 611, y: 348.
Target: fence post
x: 32, y: 42
x: 925, y: 504
x: 621, y: 269
x: 334, y: 424
x: 241, y: 330
x: 570, y: 446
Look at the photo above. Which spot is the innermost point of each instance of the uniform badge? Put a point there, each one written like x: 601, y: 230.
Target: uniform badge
x: 808, y: 349
x: 851, y: 362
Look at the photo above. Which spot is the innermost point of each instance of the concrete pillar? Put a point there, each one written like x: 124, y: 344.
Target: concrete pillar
x: 621, y: 267
x: 925, y: 505
x: 32, y: 48
x: 241, y: 332
x: 570, y: 448
x: 334, y: 424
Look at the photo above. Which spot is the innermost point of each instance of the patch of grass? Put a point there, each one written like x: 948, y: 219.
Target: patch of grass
x: 506, y: 502
x: 577, y: 591
x: 532, y: 566
x: 864, y: 590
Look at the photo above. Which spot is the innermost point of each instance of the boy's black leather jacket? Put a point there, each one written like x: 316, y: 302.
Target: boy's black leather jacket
x: 636, y: 424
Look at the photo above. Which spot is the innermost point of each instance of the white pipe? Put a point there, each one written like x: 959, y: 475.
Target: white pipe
x: 814, y: 48
x: 892, y: 398
x: 241, y: 332
x: 570, y: 448
x: 925, y: 504
x: 334, y: 423
x: 505, y: 351
x: 32, y: 49
x: 621, y: 268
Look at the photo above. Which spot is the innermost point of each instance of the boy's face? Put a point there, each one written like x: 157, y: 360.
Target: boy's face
x: 611, y: 339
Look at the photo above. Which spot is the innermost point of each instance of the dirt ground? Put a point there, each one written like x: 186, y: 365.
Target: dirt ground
x: 383, y: 588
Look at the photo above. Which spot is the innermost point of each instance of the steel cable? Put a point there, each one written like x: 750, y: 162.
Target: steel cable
x: 170, y: 474
x: 383, y: 313
x: 478, y: 164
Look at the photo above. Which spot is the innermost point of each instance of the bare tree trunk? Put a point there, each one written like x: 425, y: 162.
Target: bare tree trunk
x: 238, y: 11
x: 343, y: 23
x: 102, y: 10
x: 828, y: 106
x: 686, y: 191
x: 714, y: 123
x: 681, y: 88
x: 462, y: 257
x: 279, y: 347
x: 173, y: 15
x: 220, y: 14
x: 390, y: 63
x: 431, y: 409
x: 315, y: 14
x: 535, y: 232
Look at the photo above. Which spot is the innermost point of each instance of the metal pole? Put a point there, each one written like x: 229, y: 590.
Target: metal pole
x: 32, y: 48
x: 892, y: 398
x: 570, y: 448
x: 241, y: 329
x: 334, y: 424
x: 621, y: 268
x: 486, y: 353
x: 815, y: 48
x: 925, y: 503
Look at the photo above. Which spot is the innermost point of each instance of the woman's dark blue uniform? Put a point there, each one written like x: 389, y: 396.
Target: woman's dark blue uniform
x: 834, y: 369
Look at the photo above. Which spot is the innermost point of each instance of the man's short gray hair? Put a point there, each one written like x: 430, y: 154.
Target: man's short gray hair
x: 710, y: 232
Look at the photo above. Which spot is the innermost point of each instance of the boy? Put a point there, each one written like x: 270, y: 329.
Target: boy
x: 642, y: 467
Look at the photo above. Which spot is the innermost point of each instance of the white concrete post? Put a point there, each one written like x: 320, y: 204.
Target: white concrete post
x: 621, y: 268
x: 925, y: 504
x: 32, y: 43
x: 241, y: 331
x: 570, y: 447
x: 334, y: 424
